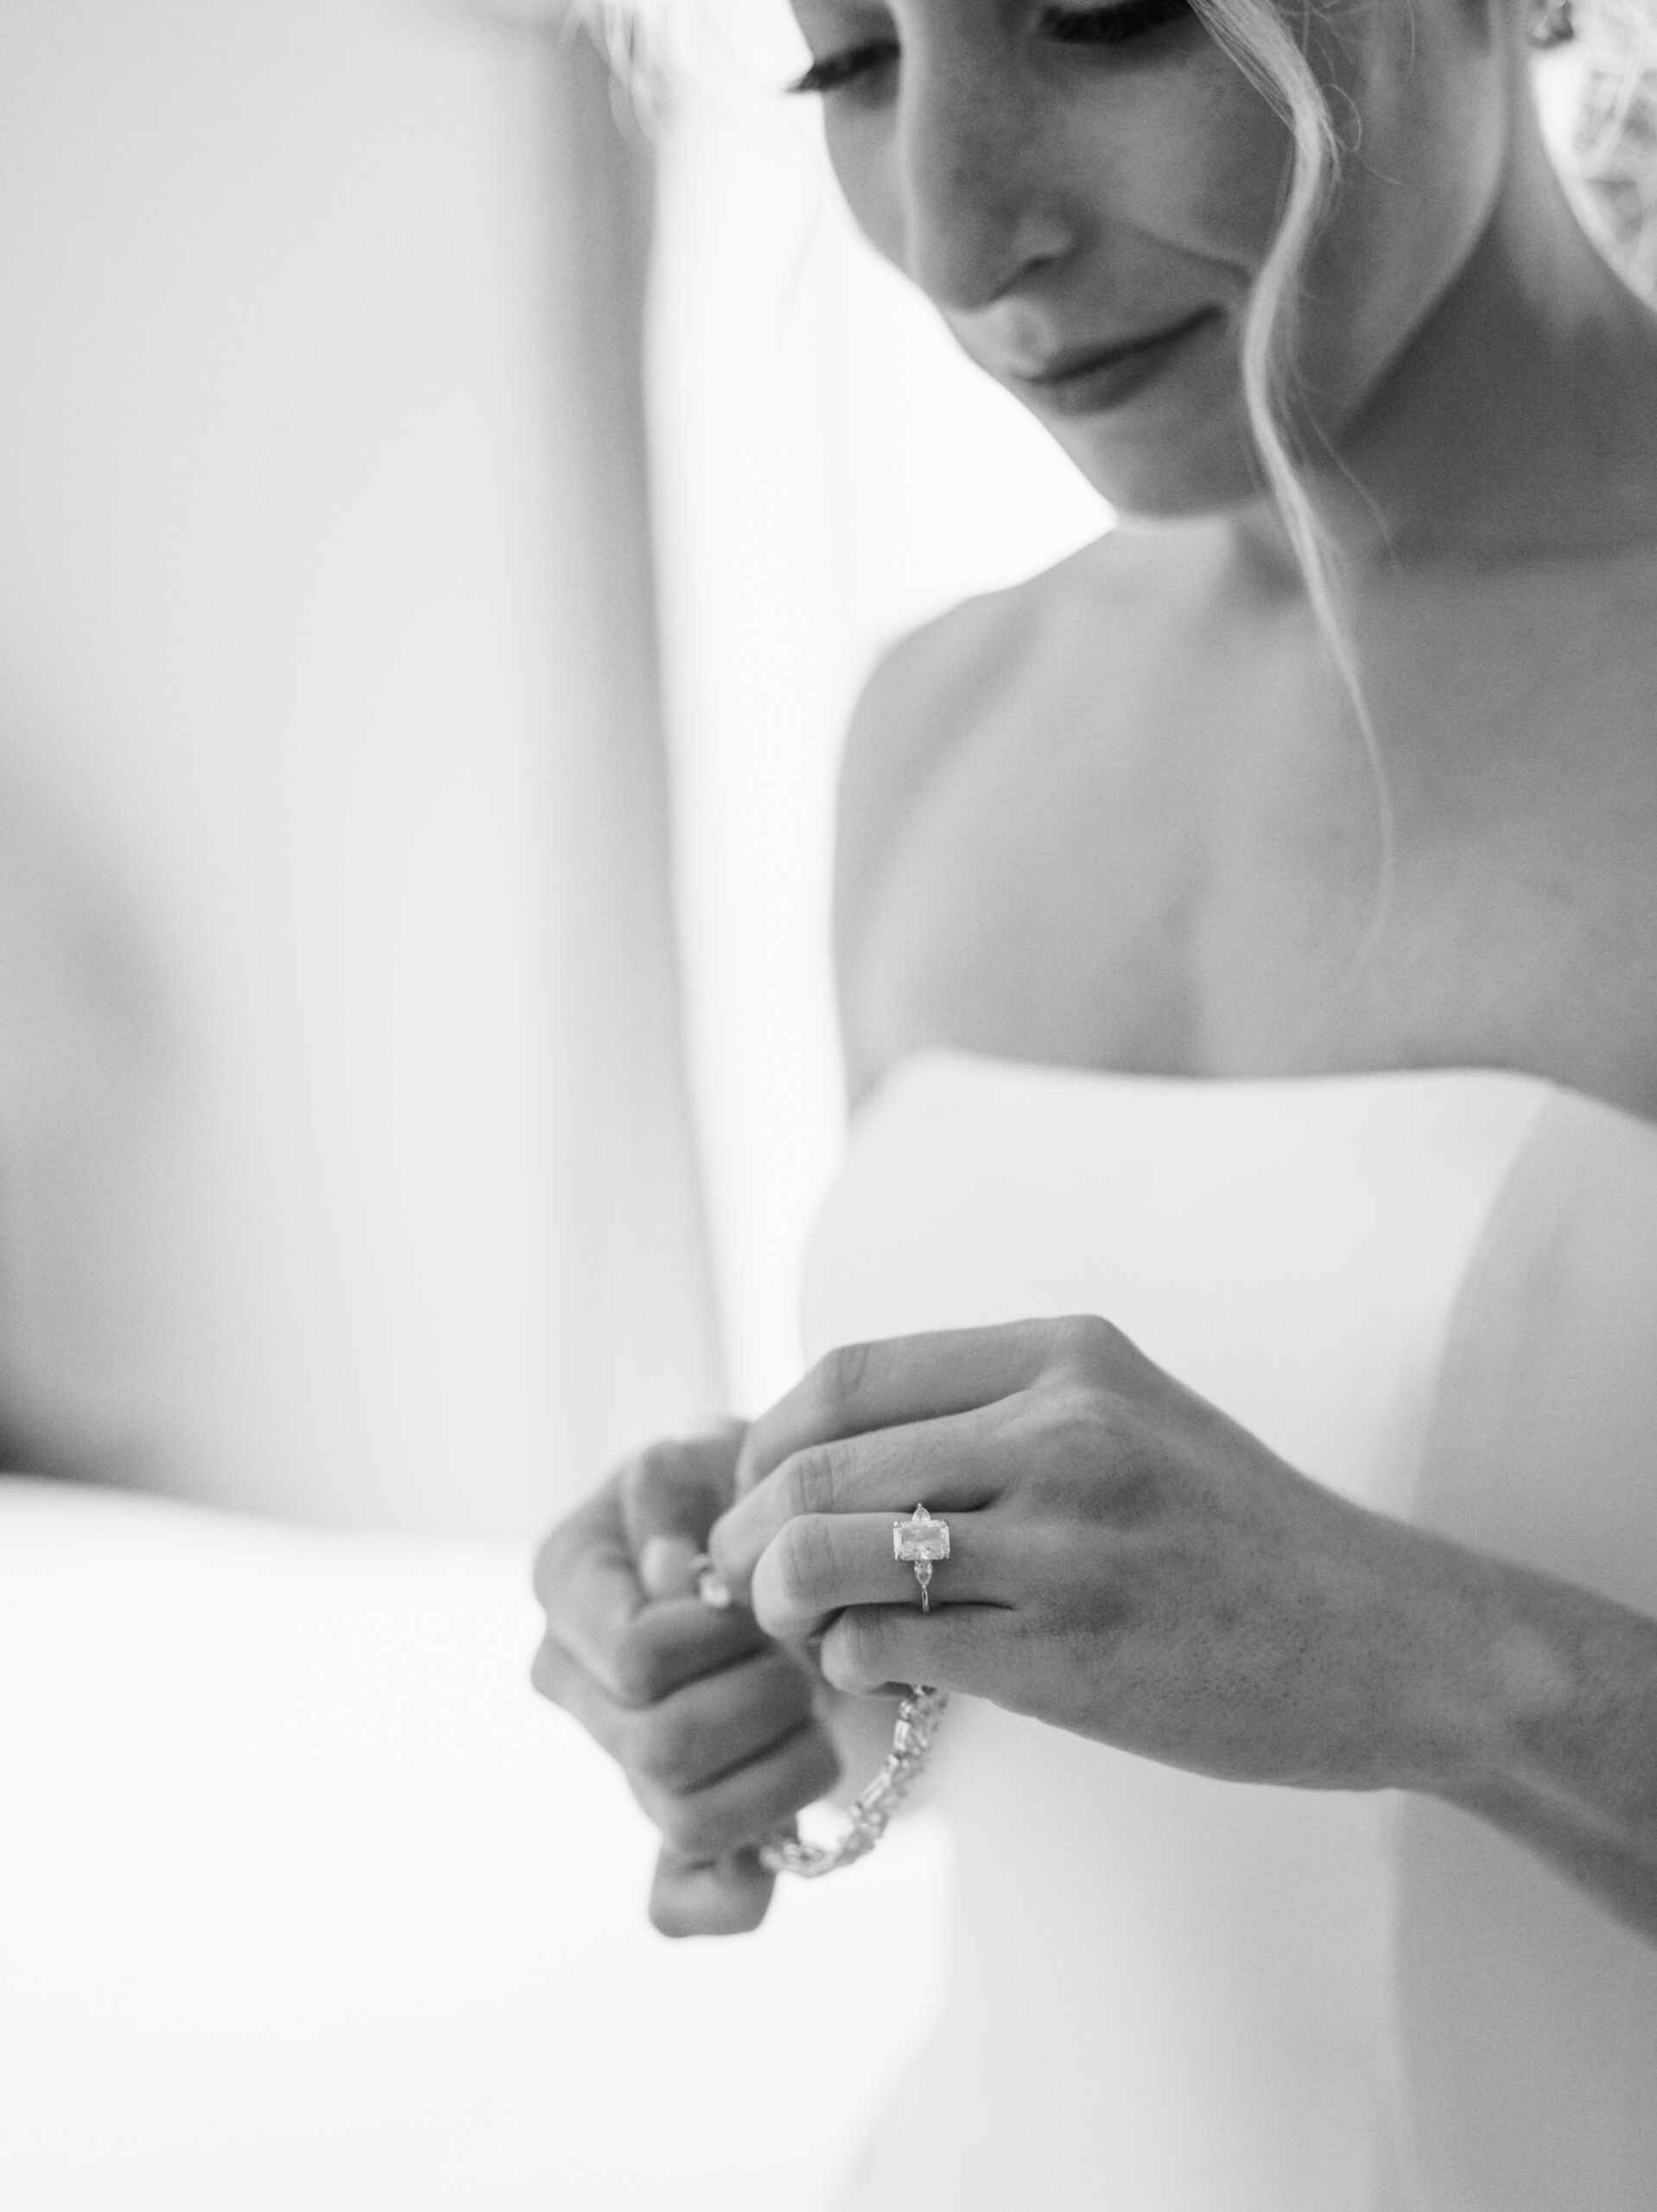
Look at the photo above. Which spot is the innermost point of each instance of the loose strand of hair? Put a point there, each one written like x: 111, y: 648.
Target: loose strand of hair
x: 1262, y: 45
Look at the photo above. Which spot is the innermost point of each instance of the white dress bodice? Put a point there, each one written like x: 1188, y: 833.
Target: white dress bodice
x: 1174, y: 1994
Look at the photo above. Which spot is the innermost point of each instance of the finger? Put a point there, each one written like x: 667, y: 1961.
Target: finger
x: 744, y: 1807
x: 679, y: 1488
x: 678, y: 1640
x: 873, y: 1647
x: 587, y: 1572
x: 815, y: 1567
x: 558, y: 1675
x: 714, y: 1726
x: 958, y: 1462
x: 585, y: 1581
x: 696, y: 1735
x: 727, y: 1896
x: 667, y: 1566
x: 895, y: 1380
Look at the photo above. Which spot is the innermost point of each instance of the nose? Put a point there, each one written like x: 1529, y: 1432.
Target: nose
x: 983, y: 202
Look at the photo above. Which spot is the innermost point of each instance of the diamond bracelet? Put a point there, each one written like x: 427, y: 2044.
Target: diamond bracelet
x: 785, y: 1850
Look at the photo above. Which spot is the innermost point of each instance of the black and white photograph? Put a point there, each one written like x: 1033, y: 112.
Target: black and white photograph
x: 828, y: 1105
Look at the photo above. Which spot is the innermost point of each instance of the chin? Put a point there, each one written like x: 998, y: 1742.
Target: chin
x: 1167, y: 471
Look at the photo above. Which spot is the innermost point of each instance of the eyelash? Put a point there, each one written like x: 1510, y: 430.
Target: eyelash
x: 1113, y: 26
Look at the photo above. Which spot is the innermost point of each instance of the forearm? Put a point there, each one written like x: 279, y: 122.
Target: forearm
x: 1540, y: 1703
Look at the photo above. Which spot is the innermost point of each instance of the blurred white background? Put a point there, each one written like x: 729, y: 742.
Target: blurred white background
x: 346, y: 1179
x: 400, y: 1112
x: 346, y: 1166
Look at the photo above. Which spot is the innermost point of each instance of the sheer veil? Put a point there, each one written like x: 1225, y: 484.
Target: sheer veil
x: 1612, y: 157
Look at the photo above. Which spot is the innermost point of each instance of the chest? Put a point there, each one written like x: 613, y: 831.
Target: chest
x: 1179, y: 852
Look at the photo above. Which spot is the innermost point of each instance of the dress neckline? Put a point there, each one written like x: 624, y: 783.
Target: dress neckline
x: 1333, y: 1083
x: 1001, y: 1066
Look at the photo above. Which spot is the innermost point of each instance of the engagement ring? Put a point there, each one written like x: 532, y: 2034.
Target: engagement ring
x: 918, y: 1540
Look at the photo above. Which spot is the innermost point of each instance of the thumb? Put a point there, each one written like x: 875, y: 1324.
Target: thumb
x: 726, y: 1895
x: 672, y: 1494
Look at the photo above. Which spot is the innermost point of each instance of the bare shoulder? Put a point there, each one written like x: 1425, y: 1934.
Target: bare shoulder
x: 933, y: 698
x: 931, y: 694
x: 920, y: 705
x: 920, y: 712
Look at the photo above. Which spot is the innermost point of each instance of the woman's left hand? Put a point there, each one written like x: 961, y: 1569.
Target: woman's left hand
x: 1125, y: 1562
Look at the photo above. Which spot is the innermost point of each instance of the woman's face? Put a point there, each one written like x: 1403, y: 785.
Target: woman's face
x: 1087, y: 193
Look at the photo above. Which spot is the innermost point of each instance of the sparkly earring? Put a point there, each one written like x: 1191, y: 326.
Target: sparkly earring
x: 1550, y: 23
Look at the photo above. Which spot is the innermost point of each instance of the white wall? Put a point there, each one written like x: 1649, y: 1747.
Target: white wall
x: 306, y: 778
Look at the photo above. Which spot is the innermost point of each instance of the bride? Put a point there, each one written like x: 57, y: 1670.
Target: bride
x: 1247, y: 945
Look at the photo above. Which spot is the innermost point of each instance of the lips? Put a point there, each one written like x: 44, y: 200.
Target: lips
x: 1087, y: 379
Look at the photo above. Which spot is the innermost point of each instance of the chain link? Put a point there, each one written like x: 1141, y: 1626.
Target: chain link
x: 785, y: 1852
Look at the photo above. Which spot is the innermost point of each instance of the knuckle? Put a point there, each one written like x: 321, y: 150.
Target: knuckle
x: 648, y: 1472
x: 541, y: 1573
x: 805, y: 1558
x: 1073, y: 1417
x: 1078, y: 1441
x: 548, y: 1671
x: 638, y: 1669
x: 863, y: 1638
x: 660, y: 1750
x: 839, y: 1374
x: 1088, y: 1344
x: 811, y: 1483
x: 551, y: 1560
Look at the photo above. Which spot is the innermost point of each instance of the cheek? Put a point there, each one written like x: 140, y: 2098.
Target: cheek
x: 1148, y: 168
x: 862, y: 156
x: 1190, y: 165
x: 1223, y: 167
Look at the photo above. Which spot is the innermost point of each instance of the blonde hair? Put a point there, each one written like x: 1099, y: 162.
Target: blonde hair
x: 1611, y: 174
x: 1258, y: 38
x: 1614, y: 174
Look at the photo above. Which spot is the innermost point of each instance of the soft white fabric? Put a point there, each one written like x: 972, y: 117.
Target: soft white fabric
x: 307, y: 1904
x: 304, y: 1901
x: 1172, y: 1994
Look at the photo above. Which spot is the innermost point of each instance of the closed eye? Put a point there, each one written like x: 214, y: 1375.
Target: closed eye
x: 834, y: 70
x: 1112, y: 26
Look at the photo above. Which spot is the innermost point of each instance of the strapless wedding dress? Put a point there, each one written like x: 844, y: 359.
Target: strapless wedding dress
x: 1436, y: 1294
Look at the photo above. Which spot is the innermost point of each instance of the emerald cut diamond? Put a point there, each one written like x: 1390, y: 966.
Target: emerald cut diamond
x: 920, y: 1537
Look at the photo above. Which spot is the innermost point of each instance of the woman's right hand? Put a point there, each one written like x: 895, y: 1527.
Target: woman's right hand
x: 712, y: 1722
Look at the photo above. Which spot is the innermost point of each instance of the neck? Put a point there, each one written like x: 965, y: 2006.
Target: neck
x: 1520, y: 420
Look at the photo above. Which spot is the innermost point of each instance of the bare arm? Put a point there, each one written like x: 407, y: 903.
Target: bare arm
x: 1542, y: 1699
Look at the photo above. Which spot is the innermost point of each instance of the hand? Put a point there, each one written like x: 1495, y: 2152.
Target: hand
x: 1125, y: 1562
x: 711, y: 1722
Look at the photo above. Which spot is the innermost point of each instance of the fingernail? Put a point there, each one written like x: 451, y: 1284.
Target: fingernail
x: 665, y: 1567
